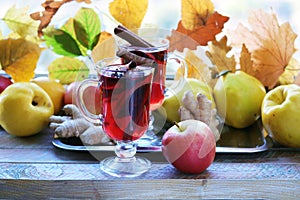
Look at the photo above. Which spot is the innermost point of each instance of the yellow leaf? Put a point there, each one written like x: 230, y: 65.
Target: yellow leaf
x: 291, y: 73
x: 130, y: 13
x: 20, y: 22
x: 104, y: 48
x: 218, y: 55
x: 18, y: 58
x: 271, y: 45
x: 195, y: 13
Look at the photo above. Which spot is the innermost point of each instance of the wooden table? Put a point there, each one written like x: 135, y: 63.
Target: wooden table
x: 32, y: 168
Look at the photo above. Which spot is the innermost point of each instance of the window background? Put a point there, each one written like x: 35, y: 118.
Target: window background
x: 166, y: 14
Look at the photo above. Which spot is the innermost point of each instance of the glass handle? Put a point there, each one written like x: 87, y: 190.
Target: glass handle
x: 181, y: 78
x: 96, y: 119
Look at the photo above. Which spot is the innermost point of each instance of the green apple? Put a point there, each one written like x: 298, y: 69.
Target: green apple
x: 281, y: 114
x: 174, y: 95
x: 25, y: 109
x: 238, y: 97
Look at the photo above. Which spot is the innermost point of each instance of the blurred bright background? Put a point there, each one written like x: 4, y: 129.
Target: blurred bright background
x: 165, y: 14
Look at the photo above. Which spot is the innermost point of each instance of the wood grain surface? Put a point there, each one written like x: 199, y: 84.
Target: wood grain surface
x: 32, y: 168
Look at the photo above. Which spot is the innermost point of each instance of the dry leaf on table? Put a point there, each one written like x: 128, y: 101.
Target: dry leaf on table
x: 130, y: 13
x: 218, y: 55
x: 183, y: 38
x: 271, y: 45
x: 194, y: 13
x: 18, y: 58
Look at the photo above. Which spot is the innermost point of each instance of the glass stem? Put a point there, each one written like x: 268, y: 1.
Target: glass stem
x: 125, y: 150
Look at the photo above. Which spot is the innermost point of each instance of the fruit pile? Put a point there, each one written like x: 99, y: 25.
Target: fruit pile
x: 25, y: 107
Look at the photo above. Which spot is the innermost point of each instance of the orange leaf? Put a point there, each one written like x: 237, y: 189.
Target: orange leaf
x: 130, y: 13
x: 271, y: 45
x: 246, y: 63
x: 195, y: 12
x: 182, y: 38
x: 217, y: 54
x: 19, y: 58
x: 104, y: 48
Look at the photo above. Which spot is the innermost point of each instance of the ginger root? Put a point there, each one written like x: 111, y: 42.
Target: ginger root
x: 75, y: 125
x: 199, y: 108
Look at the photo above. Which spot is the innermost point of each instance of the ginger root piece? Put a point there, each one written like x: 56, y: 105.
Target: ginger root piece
x: 199, y: 108
x: 75, y: 125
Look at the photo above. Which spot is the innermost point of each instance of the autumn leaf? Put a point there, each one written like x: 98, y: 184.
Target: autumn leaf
x: 291, y: 72
x: 130, y: 13
x: 104, y: 48
x: 68, y: 27
x: 194, y: 13
x: 87, y: 27
x: 68, y: 70
x: 18, y: 20
x: 18, y: 58
x: 218, y: 55
x: 246, y: 64
x: 61, y: 42
x: 50, y: 9
x: 183, y: 38
x: 271, y: 45
x: 76, y: 36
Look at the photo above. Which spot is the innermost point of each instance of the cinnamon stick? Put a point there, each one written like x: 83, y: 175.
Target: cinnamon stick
x: 139, y: 60
x: 131, y: 37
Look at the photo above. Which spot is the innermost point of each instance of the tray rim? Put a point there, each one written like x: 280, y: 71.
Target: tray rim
x: 148, y: 149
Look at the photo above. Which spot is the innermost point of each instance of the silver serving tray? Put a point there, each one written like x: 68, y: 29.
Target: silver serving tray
x: 248, y: 140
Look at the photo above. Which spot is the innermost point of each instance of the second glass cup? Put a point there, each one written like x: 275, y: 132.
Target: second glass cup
x: 157, y: 54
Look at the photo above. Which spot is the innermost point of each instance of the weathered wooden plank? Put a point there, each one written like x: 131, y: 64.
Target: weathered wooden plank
x: 151, y: 189
x: 222, y: 171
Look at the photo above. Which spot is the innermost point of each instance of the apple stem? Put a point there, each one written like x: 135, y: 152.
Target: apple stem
x: 179, y: 127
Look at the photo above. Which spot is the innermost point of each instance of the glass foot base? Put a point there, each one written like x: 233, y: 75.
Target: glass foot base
x: 125, y: 167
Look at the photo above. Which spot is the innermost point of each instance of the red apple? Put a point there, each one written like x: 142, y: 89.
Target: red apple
x: 91, y: 97
x: 189, y: 146
x: 4, y: 82
x: 70, y: 97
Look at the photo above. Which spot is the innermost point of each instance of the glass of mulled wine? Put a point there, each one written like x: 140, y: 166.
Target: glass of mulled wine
x: 125, y: 91
x: 152, y: 52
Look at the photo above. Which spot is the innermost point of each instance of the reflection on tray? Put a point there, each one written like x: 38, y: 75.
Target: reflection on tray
x: 247, y: 140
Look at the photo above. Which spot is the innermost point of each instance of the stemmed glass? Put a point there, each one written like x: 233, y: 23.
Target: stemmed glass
x: 151, y: 49
x: 156, y: 56
x: 125, y: 97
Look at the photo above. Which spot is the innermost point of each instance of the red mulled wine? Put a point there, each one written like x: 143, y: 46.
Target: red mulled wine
x: 125, y: 101
x: 159, y: 55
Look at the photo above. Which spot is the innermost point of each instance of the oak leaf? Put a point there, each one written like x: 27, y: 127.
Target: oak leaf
x: 271, y: 45
x: 130, y: 13
x: 218, y: 55
x: 18, y: 58
x: 183, y: 38
x: 246, y: 64
x: 194, y: 13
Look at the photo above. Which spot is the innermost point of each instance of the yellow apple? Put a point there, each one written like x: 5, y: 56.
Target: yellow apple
x: 281, y: 114
x: 238, y: 97
x: 25, y: 109
x: 174, y: 95
x: 54, y: 89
